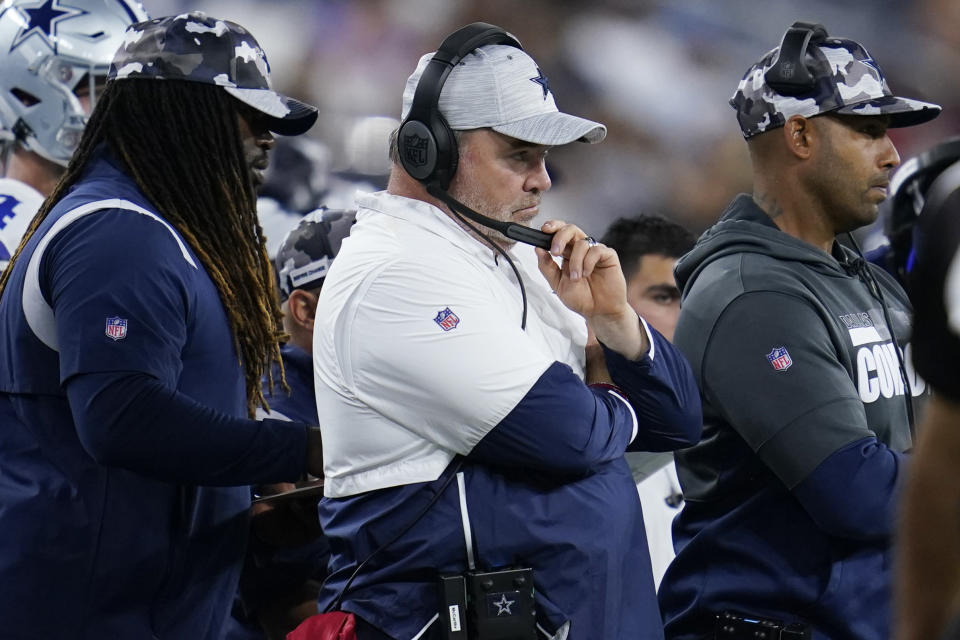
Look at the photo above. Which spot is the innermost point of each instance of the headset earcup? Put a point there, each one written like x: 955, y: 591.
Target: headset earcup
x: 454, y: 159
x: 447, y: 156
x: 418, y: 150
x: 425, y: 142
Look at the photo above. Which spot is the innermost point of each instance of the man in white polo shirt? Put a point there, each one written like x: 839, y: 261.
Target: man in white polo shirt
x: 466, y: 432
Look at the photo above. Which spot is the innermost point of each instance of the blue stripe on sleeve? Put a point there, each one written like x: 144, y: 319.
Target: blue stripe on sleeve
x: 560, y: 426
x: 664, y: 394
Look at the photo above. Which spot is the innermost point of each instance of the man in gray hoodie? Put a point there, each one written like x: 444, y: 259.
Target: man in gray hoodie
x: 798, y: 346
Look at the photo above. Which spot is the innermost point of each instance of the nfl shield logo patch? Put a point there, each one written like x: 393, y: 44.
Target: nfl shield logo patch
x: 447, y: 319
x: 415, y: 149
x: 116, y: 328
x: 780, y: 358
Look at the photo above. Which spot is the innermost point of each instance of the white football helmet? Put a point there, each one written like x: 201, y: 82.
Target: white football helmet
x: 47, y: 48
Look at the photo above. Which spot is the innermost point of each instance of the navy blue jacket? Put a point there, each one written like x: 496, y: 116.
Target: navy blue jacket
x: 125, y: 457
x: 547, y: 488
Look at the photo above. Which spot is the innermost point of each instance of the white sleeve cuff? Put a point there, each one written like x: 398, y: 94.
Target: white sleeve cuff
x: 633, y: 414
x: 646, y: 328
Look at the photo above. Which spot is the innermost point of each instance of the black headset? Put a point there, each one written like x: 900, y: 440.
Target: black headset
x: 940, y: 188
x: 789, y: 75
x: 947, y: 181
x: 911, y: 193
x: 426, y: 145
x: 428, y: 150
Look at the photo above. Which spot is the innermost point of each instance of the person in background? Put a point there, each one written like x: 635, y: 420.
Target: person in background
x: 304, y: 257
x: 648, y: 247
x: 928, y: 551
x: 798, y: 346
x: 901, y: 211
x: 137, y: 319
x: 300, y: 180
x: 50, y: 76
x: 287, y: 558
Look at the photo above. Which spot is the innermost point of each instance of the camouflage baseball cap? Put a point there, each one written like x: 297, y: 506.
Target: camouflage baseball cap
x: 305, y: 255
x: 199, y: 48
x: 845, y: 80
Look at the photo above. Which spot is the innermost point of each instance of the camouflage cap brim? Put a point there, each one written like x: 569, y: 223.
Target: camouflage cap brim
x: 195, y: 47
x: 903, y: 112
x: 287, y: 116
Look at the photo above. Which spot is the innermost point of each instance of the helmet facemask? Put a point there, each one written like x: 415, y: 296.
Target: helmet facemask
x: 44, y: 65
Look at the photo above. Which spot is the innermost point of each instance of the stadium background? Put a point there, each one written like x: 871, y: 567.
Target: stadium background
x: 658, y: 73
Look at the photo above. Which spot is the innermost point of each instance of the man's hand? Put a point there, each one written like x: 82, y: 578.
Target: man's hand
x: 590, y: 282
x: 286, y: 523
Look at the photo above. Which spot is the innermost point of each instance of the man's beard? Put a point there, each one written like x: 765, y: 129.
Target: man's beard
x: 471, y: 197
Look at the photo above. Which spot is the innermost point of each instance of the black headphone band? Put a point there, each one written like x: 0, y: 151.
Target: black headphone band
x: 429, y: 155
x: 449, y: 54
x: 789, y: 75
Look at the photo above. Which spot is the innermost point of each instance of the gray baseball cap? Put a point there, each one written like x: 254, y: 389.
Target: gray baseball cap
x: 501, y: 87
x: 846, y: 80
x: 199, y: 48
x: 308, y: 250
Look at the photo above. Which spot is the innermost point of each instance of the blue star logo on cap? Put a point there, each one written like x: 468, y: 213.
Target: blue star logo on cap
x: 42, y: 20
x: 542, y: 81
x: 870, y: 62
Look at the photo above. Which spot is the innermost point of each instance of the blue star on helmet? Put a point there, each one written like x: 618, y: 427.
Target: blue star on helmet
x: 543, y: 82
x: 42, y: 20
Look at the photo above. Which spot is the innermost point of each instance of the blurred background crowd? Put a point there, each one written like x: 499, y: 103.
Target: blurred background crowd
x: 658, y: 73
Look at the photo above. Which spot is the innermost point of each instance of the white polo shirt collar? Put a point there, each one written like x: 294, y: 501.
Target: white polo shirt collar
x: 429, y: 217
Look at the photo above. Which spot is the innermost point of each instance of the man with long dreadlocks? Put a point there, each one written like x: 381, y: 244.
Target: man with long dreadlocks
x: 137, y: 318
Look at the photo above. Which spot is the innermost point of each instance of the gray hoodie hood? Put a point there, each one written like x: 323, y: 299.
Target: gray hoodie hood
x: 745, y: 228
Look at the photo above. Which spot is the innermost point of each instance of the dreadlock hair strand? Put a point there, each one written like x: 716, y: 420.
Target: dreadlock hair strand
x: 180, y: 143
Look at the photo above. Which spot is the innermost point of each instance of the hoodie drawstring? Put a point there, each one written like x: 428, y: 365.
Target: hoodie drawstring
x: 862, y: 269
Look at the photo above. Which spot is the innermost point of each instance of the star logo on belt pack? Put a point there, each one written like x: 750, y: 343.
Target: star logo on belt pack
x: 447, y: 319
x: 502, y: 604
x: 780, y: 358
x: 116, y: 328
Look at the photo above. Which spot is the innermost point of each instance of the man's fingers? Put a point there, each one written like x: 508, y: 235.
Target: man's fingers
x: 548, y: 267
x: 563, y: 235
x: 597, y: 254
x: 552, y: 226
x: 578, y: 252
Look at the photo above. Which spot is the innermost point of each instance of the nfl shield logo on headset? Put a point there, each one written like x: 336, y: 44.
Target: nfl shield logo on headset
x: 116, y: 328
x: 415, y: 149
